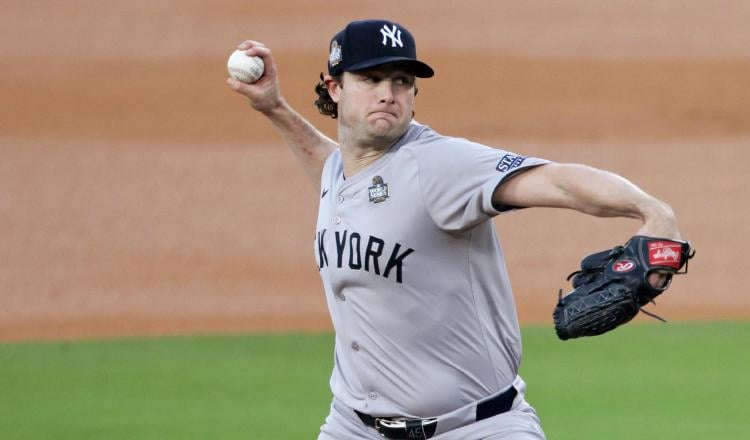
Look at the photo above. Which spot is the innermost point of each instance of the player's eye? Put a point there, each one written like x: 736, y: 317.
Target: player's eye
x: 404, y: 81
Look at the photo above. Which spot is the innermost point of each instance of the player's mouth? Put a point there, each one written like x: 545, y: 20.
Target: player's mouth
x: 383, y: 114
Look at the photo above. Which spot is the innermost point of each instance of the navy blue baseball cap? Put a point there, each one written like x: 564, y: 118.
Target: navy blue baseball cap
x: 368, y: 43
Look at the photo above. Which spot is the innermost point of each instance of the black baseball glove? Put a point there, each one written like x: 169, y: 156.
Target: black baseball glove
x: 613, y: 285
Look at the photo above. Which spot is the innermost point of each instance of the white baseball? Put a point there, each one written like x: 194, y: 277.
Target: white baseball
x: 245, y: 68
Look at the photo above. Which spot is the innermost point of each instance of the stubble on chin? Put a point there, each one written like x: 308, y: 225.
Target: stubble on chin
x: 387, y: 132
x: 378, y: 135
x: 381, y: 128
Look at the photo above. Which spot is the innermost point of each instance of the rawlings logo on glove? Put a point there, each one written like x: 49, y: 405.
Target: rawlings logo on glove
x: 613, y: 285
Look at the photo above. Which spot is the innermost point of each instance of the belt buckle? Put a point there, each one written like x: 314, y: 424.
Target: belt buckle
x: 403, y: 428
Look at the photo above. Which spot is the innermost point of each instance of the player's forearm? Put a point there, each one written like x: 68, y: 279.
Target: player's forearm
x: 309, y: 145
x: 604, y: 194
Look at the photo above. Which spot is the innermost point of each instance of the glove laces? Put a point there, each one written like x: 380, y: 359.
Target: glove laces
x: 653, y: 315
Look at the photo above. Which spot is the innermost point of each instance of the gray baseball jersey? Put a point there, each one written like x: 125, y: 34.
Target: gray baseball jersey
x: 415, y: 280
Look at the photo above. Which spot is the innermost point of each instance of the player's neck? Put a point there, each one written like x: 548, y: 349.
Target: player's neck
x: 358, y: 154
x: 358, y: 160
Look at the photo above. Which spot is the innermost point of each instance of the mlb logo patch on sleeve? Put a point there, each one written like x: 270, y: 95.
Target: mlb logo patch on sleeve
x: 510, y: 161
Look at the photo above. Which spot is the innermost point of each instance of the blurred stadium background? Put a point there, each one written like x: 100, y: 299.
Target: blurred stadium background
x: 139, y: 196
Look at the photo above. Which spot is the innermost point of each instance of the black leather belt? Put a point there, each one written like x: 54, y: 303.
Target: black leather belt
x: 422, y: 429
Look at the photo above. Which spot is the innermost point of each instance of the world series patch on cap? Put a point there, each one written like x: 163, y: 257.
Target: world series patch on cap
x: 369, y: 43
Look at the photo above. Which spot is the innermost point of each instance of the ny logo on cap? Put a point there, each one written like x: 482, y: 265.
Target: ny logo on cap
x: 394, y: 34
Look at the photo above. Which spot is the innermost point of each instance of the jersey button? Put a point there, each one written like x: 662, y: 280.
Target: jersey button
x: 340, y: 199
x: 341, y: 296
x: 373, y: 395
x: 337, y: 219
x: 355, y: 346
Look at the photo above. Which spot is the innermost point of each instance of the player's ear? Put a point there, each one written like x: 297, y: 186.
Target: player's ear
x: 333, y: 85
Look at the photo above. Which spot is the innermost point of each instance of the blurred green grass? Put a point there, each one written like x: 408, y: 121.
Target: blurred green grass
x: 675, y: 381
x: 215, y: 387
x: 642, y: 381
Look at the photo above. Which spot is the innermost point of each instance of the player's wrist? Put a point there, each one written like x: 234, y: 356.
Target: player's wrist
x: 274, y: 109
x: 659, y: 220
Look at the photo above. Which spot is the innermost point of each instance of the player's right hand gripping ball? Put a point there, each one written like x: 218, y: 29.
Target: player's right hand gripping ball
x: 245, y: 68
x: 613, y: 285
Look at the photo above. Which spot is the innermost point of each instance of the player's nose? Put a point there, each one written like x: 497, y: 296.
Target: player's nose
x: 385, y: 91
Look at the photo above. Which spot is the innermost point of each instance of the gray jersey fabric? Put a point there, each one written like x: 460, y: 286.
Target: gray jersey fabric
x: 415, y: 280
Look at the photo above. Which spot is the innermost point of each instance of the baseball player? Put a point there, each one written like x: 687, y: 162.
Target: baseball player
x: 427, y: 337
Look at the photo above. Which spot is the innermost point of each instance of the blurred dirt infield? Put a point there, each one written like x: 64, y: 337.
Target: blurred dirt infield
x: 139, y: 195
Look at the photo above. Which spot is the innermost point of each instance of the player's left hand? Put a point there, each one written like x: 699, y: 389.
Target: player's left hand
x: 613, y: 285
x: 659, y: 222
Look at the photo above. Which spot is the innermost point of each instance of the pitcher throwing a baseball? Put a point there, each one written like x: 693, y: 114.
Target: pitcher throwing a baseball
x: 427, y: 337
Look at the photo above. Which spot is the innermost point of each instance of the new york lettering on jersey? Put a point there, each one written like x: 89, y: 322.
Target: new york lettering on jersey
x: 358, y: 251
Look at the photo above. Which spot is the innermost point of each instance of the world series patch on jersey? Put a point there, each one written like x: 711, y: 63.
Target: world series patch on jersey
x: 378, y: 191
